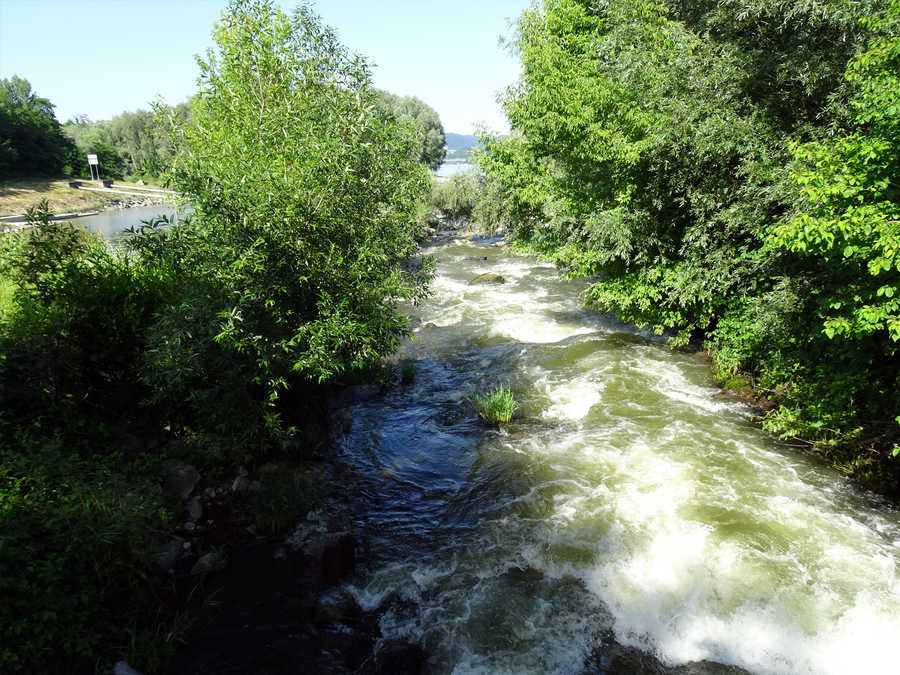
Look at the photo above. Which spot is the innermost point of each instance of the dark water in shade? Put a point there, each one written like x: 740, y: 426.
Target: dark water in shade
x: 630, y: 498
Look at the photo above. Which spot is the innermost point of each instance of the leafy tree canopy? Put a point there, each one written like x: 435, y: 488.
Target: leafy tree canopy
x: 31, y: 139
x: 303, y: 198
x: 426, y: 120
x: 726, y: 170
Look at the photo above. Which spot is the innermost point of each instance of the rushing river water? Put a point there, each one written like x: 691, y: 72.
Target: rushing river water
x: 629, y: 503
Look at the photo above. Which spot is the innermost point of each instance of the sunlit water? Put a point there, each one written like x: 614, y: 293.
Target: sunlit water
x: 453, y: 166
x: 630, y: 498
x: 111, y: 224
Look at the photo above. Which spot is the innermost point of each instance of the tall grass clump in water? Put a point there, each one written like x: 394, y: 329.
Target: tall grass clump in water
x: 496, y: 406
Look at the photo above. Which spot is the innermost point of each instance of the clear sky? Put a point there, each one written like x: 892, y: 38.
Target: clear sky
x: 102, y: 57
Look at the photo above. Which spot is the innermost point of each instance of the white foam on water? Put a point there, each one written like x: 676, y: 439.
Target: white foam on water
x: 573, y: 400
x: 522, y: 313
x: 797, y: 601
x: 670, y: 521
x: 666, y: 378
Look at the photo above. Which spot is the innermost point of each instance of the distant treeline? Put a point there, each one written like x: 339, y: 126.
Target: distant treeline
x: 137, y: 144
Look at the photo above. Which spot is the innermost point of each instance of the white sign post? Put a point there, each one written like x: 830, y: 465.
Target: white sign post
x: 92, y: 163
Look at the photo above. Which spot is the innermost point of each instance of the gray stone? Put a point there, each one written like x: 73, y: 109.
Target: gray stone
x: 210, y: 562
x: 122, y: 668
x: 336, y: 606
x: 169, y: 552
x: 240, y: 484
x: 181, y: 478
x: 194, y: 509
x: 488, y: 278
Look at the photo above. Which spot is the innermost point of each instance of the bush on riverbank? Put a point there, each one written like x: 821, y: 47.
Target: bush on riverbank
x: 216, y: 335
x: 726, y: 173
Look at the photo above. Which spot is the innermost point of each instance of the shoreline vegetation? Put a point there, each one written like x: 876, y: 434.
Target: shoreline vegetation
x: 161, y: 402
x: 19, y: 195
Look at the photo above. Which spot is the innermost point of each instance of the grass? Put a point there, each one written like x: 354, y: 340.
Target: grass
x: 20, y: 194
x: 496, y: 406
x: 7, y: 289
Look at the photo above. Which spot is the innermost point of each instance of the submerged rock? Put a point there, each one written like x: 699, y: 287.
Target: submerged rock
x: 487, y: 278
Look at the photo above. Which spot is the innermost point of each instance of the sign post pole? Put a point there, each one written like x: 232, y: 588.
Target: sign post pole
x: 93, y: 164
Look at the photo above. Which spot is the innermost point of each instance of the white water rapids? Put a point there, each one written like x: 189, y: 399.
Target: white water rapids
x: 630, y: 502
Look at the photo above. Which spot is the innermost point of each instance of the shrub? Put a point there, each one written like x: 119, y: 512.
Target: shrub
x: 81, y: 319
x: 456, y: 196
x: 303, y: 197
x: 77, y: 572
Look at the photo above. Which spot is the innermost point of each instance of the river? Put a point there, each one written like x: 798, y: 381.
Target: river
x: 111, y: 224
x: 630, y: 503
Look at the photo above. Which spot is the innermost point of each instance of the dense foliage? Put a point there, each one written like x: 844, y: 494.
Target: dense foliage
x: 428, y: 125
x: 130, y: 144
x: 138, y: 143
x: 76, y: 567
x: 727, y: 173
x: 31, y: 140
x: 303, y: 198
x: 207, y: 339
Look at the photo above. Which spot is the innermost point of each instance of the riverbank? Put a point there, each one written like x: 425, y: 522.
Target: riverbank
x: 17, y: 196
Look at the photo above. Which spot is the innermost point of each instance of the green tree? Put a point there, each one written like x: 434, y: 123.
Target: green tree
x: 134, y: 143
x: 709, y: 164
x: 31, y: 139
x: 430, y: 131
x: 303, y: 200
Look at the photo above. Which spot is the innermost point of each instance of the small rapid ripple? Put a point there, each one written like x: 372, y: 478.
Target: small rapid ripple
x: 631, y: 502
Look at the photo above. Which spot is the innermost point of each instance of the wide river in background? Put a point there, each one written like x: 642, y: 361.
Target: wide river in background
x: 112, y: 223
x: 451, y: 167
x: 630, y: 503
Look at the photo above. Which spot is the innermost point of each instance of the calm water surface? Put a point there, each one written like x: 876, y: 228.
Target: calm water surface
x: 111, y: 224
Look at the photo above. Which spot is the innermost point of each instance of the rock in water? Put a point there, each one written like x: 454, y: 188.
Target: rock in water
x: 487, y: 278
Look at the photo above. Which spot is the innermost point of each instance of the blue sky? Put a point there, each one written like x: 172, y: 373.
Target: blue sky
x: 102, y: 57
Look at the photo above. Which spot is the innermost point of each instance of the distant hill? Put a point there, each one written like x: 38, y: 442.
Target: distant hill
x: 460, y: 141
